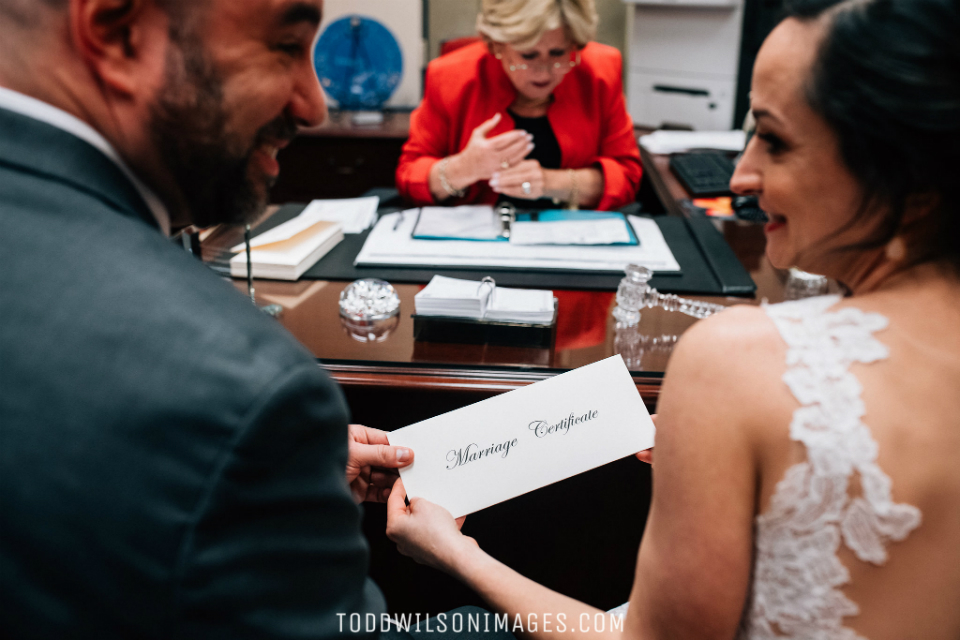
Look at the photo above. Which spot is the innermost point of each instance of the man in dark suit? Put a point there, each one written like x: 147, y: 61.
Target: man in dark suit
x: 171, y: 460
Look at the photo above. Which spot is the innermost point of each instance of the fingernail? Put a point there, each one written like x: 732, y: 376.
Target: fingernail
x: 402, y: 454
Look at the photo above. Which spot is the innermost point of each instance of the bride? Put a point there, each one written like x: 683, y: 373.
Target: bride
x: 806, y: 481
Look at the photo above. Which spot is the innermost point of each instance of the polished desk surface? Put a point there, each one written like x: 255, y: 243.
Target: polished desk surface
x: 586, y: 331
x: 399, y: 381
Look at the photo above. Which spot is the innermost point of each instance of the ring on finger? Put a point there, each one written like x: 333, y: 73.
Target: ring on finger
x: 504, y: 164
x: 526, y: 188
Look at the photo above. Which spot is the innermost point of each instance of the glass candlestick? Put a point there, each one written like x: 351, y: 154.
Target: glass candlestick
x: 635, y: 293
x: 270, y: 309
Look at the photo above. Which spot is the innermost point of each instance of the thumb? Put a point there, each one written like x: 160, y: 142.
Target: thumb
x: 381, y: 455
x: 484, y: 128
x: 396, y: 503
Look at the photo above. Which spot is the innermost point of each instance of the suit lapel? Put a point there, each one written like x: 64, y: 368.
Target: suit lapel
x: 39, y: 148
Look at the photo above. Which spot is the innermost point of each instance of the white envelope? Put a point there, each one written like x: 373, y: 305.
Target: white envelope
x: 511, y: 444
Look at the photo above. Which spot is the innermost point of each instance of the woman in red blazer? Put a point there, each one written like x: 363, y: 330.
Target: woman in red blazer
x: 534, y: 114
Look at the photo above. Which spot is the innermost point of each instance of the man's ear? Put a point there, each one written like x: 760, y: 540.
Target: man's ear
x: 119, y: 39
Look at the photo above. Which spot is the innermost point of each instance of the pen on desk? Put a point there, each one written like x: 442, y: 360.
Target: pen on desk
x: 246, y: 242
x: 399, y: 221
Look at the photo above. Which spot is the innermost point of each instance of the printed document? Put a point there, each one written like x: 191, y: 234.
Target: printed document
x: 511, y: 444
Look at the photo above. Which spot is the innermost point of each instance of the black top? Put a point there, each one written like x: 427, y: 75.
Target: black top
x: 546, y: 150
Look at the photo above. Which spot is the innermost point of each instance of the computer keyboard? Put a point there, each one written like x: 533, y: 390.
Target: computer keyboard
x: 703, y: 174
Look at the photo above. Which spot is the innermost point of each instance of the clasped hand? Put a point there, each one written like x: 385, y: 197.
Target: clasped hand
x: 500, y: 160
x: 525, y: 180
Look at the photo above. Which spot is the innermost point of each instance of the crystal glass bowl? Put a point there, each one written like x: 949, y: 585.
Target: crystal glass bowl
x: 368, y: 300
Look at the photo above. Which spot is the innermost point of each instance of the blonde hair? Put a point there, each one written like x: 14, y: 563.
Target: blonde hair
x: 521, y: 23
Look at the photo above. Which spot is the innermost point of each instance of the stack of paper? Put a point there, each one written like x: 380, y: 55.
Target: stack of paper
x: 566, y: 232
x: 355, y: 215
x: 683, y: 141
x: 451, y: 297
x: 483, y: 300
x: 529, y: 306
x: 287, y: 251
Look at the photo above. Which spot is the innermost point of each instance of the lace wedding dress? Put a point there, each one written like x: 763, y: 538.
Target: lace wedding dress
x: 797, y: 576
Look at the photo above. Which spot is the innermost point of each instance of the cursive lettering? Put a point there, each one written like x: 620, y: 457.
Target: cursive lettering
x: 543, y: 428
x: 471, y: 452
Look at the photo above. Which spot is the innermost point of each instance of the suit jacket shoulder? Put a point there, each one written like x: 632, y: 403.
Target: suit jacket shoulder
x: 174, y: 453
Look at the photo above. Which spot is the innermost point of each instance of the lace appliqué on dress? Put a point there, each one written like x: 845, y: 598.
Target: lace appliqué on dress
x: 797, y: 575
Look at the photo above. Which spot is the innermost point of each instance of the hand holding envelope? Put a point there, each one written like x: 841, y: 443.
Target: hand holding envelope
x: 371, y: 464
x: 497, y: 449
x: 426, y: 531
x: 517, y: 442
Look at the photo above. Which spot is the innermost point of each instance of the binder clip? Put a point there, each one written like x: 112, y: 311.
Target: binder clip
x: 508, y: 215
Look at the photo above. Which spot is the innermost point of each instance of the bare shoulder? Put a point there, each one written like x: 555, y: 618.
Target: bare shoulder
x: 723, y: 399
x: 739, y: 344
x: 728, y: 370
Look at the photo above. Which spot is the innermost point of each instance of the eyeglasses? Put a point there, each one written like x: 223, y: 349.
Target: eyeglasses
x: 555, y: 66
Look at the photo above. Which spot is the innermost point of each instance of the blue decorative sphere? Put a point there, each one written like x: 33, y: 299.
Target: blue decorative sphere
x: 359, y: 62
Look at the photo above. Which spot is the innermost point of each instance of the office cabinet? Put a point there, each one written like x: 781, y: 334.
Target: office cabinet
x: 683, y: 62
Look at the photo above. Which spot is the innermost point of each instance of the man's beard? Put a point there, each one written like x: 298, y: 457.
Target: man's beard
x: 210, y: 166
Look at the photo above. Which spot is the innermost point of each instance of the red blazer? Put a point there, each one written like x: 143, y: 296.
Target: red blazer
x: 468, y: 86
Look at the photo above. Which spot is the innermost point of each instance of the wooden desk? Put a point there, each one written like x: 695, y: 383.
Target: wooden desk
x: 586, y: 331
x: 394, y: 380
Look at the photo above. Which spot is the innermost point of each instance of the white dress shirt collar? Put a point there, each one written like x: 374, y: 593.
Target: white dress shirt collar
x: 39, y: 110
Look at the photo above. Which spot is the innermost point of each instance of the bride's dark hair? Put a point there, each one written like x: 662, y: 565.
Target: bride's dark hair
x: 887, y: 81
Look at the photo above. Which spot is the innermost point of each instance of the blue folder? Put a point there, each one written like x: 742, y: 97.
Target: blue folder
x: 549, y: 215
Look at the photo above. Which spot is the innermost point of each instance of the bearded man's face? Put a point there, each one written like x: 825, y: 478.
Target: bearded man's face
x: 230, y: 100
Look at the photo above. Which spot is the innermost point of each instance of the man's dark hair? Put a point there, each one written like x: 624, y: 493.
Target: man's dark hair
x: 887, y: 81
